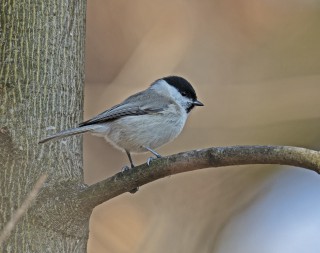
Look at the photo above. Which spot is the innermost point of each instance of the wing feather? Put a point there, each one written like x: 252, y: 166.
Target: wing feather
x: 132, y: 106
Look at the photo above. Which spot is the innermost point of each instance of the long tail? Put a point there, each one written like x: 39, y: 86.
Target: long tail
x: 66, y: 133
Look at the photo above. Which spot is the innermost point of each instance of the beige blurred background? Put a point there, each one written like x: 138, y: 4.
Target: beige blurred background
x: 255, y: 64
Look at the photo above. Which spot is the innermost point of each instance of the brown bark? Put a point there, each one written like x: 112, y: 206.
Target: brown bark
x: 41, y: 85
x: 195, y: 160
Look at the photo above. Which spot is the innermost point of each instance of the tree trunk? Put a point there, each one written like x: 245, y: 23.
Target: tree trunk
x: 41, y: 91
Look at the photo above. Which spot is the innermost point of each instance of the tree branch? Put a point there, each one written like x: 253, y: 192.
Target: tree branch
x: 198, y: 159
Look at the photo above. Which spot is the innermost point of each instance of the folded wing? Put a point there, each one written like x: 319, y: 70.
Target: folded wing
x: 135, y: 105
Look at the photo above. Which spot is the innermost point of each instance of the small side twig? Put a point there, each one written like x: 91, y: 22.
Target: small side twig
x: 22, y: 209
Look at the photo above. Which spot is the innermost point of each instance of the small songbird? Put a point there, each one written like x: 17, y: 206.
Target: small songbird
x: 144, y: 121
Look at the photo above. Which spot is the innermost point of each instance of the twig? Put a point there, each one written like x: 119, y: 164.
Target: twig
x: 22, y: 209
x: 195, y: 160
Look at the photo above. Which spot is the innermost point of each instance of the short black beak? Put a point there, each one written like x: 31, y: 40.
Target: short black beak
x: 197, y: 103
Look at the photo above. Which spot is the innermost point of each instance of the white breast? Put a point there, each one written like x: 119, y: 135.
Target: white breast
x: 133, y: 133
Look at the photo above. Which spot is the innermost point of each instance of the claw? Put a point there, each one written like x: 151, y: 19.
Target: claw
x: 150, y: 159
x: 125, y: 168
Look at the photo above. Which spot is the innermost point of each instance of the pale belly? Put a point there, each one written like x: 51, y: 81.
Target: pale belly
x: 133, y: 133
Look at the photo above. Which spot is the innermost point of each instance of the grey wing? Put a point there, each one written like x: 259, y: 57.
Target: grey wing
x: 137, y: 104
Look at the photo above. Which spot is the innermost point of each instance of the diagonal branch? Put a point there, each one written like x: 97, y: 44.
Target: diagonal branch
x: 22, y: 209
x: 198, y: 159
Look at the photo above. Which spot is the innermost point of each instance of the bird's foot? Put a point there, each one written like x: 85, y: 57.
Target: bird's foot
x: 150, y: 159
x: 126, y: 168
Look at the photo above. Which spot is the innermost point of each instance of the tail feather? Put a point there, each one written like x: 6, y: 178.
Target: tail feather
x: 66, y: 133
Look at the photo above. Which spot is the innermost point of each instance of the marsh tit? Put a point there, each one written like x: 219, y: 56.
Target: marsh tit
x: 144, y: 121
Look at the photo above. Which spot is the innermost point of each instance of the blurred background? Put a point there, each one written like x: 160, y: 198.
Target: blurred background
x: 255, y: 64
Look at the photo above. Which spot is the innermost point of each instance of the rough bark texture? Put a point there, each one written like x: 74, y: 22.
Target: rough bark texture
x: 41, y: 85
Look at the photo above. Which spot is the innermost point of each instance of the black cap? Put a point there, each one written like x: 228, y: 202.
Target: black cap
x: 182, y: 85
x: 185, y: 89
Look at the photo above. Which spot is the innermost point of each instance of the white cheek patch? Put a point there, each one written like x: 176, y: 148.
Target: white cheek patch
x: 171, y: 91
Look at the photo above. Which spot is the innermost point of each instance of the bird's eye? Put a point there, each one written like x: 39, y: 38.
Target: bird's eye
x: 183, y: 93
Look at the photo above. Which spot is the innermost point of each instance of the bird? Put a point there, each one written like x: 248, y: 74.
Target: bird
x: 144, y: 121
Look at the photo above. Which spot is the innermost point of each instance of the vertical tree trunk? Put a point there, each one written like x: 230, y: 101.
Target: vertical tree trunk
x: 41, y: 91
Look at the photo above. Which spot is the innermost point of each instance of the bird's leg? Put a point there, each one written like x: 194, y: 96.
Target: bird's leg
x: 153, y: 152
x: 131, y: 163
x: 127, y: 168
x: 152, y: 158
x: 130, y: 159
